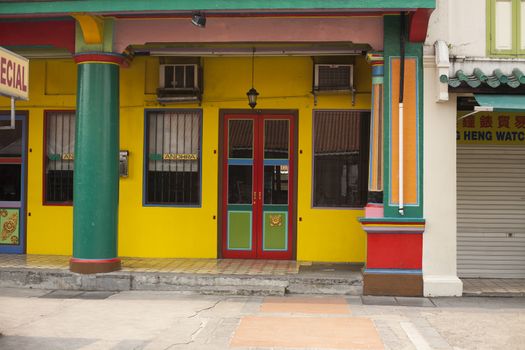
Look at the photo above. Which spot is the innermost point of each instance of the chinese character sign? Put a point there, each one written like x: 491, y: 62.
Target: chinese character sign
x: 491, y: 128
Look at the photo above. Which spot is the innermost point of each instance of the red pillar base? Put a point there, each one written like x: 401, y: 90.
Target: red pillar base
x: 89, y: 266
x: 394, y: 256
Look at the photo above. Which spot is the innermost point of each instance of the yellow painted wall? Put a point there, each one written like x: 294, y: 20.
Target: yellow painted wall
x: 283, y: 83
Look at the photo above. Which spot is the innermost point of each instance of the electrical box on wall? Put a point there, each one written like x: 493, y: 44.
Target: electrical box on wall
x: 123, y: 163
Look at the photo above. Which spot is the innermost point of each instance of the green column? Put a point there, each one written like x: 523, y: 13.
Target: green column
x: 96, y: 174
x: 413, y: 51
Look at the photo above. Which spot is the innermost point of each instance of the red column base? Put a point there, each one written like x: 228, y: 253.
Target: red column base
x: 394, y: 256
x: 89, y: 266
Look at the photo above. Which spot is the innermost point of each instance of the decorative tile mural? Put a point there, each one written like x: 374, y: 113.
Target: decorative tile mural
x: 9, y: 226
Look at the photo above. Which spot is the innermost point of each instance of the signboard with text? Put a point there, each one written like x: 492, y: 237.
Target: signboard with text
x: 14, y: 75
x: 495, y: 128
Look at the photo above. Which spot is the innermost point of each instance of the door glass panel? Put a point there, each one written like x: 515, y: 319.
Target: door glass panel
x: 276, y: 137
x: 10, y: 182
x: 11, y: 140
x: 240, y: 184
x: 276, y: 184
x: 240, y: 137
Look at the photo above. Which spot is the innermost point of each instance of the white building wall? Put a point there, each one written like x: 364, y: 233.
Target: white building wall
x: 468, y: 28
x: 462, y: 24
x: 439, y: 184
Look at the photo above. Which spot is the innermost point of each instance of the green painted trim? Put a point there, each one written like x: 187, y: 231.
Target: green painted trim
x: 488, y: 27
x: 96, y: 177
x: 392, y: 219
x: 377, y: 80
x: 502, y: 103
x: 517, y: 27
x: 272, y: 241
x: 236, y: 240
x: 275, y: 207
x: 491, y: 31
x: 58, y: 7
x: 391, y: 49
x: 240, y: 207
x: 107, y: 44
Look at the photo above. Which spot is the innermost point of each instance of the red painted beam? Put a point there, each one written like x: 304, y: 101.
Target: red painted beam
x: 418, y: 25
x: 59, y: 34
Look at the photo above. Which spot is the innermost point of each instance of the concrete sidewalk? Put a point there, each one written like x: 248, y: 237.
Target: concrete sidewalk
x: 145, y: 320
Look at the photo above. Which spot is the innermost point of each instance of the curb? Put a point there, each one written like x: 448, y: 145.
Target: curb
x: 53, y: 279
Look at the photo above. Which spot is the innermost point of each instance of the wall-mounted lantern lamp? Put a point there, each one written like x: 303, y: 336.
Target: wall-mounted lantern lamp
x: 252, y: 93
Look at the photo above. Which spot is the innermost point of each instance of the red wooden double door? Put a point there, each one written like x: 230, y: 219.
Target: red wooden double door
x: 257, y: 189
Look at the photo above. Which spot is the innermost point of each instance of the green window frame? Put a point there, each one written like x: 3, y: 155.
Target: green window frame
x: 517, y: 47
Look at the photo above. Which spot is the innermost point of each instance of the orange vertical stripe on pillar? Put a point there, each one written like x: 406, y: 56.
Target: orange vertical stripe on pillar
x: 410, y: 132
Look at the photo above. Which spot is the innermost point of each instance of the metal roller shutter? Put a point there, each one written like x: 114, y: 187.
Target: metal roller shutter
x: 491, y: 211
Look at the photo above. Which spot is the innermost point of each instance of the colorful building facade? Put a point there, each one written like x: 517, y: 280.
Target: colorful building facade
x: 138, y: 140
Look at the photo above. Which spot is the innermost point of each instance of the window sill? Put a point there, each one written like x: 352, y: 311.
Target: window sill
x: 338, y: 208
x: 62, y: 204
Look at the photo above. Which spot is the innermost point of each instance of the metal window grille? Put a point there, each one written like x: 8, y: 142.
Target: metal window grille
x: 60, y: 153
x: 340, y: 158
x: 173, y: 166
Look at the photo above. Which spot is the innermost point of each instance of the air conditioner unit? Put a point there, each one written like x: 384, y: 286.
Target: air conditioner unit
x: 179, y: 83
x: 333, y: 77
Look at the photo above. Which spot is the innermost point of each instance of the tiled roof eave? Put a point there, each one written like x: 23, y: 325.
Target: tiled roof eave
x: 477, y: 80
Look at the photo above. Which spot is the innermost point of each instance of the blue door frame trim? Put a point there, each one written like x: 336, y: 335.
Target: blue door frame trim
x: 21, y: 247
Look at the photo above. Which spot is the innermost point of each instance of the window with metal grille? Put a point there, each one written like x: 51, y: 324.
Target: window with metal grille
x: 60, y: 153
x: 340, y: 158
x: 173, y: 174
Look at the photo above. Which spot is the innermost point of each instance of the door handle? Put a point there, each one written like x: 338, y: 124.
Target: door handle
x: 260, y: 196
x: 254, y: 197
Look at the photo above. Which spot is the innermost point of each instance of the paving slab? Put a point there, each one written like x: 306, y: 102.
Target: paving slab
x: 95, y: 295
x: 414, y: 301
x: 375, y: 300
x: 307, y: 332
x: 22, y: 292
x: 43, y: 343
x: 62, y: 294
x: 305, y: 305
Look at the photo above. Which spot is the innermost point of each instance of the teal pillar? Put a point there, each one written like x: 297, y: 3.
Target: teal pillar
x: 96, y: 176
